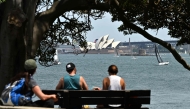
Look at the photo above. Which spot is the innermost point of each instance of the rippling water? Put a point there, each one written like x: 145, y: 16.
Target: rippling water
x: 169, y: 84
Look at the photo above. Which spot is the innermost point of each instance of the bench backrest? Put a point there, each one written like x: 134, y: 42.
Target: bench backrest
x: 93, y: 97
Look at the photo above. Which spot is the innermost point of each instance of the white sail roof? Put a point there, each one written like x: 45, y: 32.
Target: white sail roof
x: 97, y: 42
x: 107, y: 43
x: 114, y: 44
x: 101, y: 42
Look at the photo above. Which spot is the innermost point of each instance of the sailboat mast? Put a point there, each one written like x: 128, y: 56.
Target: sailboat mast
x: 156, y: 52
x: 159, y: 55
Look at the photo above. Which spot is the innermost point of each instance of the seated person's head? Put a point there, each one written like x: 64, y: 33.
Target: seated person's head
x: 30, y: 66
x: 70, y: 67
x: 112, y: 69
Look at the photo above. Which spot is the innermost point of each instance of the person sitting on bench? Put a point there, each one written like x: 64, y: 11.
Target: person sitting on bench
x: 112, y: 82
x: 31, y: 87
x: 72, y: 81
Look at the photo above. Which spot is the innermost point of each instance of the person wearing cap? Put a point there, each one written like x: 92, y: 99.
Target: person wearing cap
x: 72, y: 81
x: 32, y: 87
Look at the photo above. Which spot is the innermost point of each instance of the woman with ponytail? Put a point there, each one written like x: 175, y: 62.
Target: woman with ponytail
x: 32, y: 87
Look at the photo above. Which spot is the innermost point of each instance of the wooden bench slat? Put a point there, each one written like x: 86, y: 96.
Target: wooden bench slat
x: 96, y: 101
x: 61, y: 92
x: 139, y: 100
x: 139, y: 92
x: 96, y: 93
x: 92, y: 97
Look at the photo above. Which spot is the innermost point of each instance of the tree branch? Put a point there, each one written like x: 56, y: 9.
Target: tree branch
x: 128, y: 24
x: 44, y: 20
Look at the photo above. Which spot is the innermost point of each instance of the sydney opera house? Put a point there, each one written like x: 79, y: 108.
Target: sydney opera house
x: 102, y: 43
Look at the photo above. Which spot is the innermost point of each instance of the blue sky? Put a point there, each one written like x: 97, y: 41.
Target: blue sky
x: 105, y: 26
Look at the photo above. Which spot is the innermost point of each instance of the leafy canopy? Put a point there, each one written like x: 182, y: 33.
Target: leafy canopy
x: 146, y: 14
x: 70, y: 28
x: 158, y: 14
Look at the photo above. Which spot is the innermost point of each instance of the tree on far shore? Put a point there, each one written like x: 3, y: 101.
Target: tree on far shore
x: 33, y: 27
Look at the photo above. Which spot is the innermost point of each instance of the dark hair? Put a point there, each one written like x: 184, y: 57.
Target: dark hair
x: 113, y: 69
x: 27, y: 74
x: 69, y: 71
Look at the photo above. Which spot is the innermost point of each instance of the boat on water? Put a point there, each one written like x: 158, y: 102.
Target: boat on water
x: 56, y: 59
x: 163, y: 63
x: 185, y: 52
x: 133, y: 57
x: 158, y: 57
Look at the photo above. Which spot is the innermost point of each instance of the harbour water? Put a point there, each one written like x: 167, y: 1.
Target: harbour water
x: 169, y: 84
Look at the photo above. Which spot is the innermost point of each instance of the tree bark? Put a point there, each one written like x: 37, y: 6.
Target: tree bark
x: 15, y: 40
x: 29, y: 8
x: 10, y: 36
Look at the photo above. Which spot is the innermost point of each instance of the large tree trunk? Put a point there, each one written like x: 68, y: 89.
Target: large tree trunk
x: 29, y: 8
x: 15, y: 40
x: 10, y: 40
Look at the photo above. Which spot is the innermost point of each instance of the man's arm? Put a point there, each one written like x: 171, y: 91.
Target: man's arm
x: 105, y: 84
x: 122, y: 82
x: 60, y: 84
x: 83, y: 83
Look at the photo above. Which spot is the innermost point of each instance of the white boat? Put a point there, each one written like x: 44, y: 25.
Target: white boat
x: 185, y: 52
x: 56, y: 58
x: 133, y: 57
x: 163, y: 63
x: 160, y: 61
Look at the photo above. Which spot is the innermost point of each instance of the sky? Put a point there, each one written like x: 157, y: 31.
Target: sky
x: 106, y: 26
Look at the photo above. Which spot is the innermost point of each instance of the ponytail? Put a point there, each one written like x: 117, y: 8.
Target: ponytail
x: 26, y: 75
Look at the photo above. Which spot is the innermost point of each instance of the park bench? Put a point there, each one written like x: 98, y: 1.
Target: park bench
x: 129, y: 98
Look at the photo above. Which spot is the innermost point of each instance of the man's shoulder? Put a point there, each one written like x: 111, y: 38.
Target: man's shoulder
x: 106, y: 79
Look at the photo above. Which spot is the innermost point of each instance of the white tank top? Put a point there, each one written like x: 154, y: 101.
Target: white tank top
x: 114, y: 85
x: 114, y: 82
